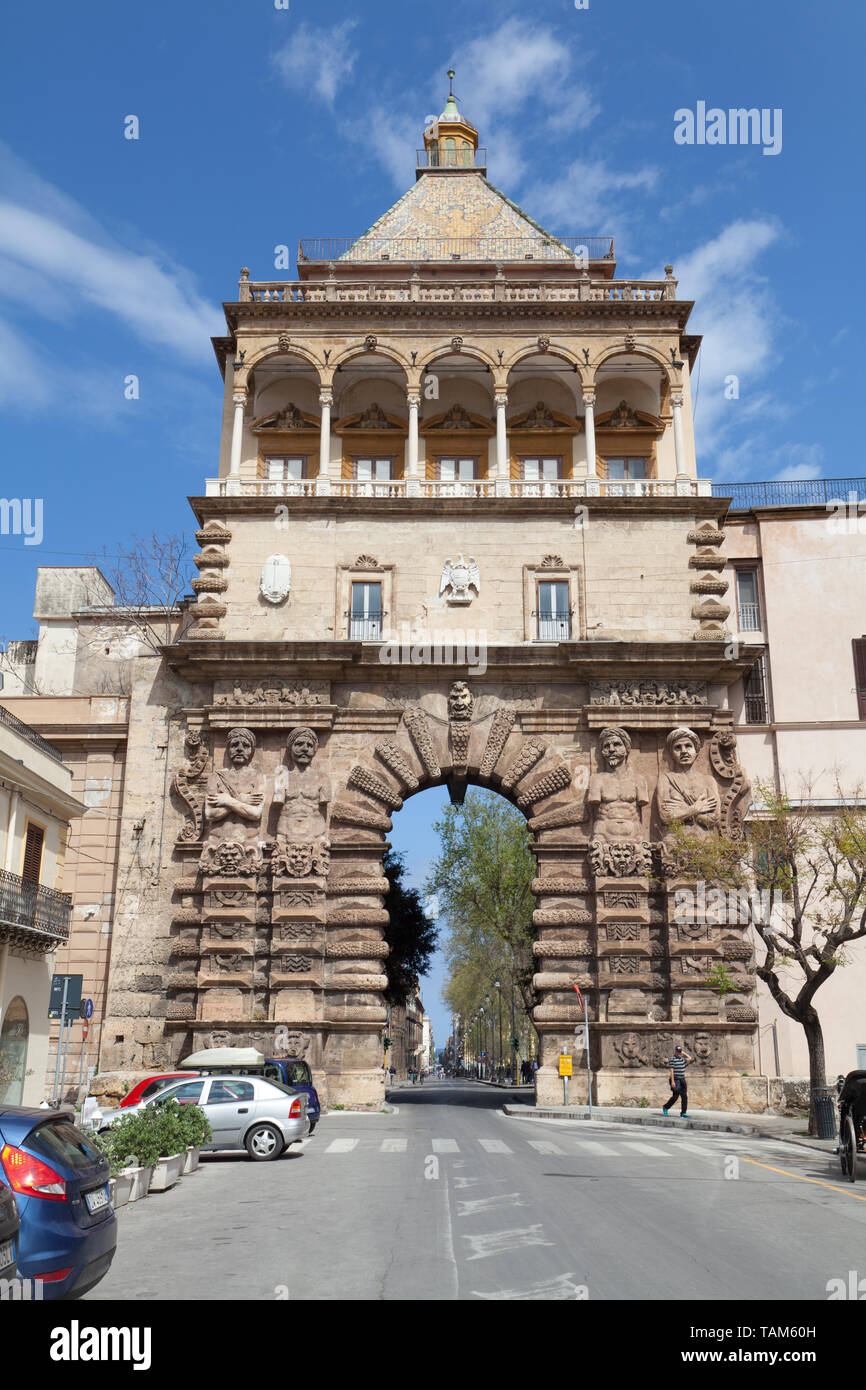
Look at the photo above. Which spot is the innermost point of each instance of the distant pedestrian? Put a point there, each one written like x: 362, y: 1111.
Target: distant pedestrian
x: 678, y: 1064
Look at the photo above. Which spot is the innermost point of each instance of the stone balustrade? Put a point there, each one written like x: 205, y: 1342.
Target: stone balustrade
x: 477, y: 487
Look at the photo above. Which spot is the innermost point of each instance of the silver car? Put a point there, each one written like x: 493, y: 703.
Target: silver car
x: 245, y: 1112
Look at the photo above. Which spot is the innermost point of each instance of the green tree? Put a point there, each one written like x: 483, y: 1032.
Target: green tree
x: 799, y: 879
x: 482, y: 880
x: 410, y: 933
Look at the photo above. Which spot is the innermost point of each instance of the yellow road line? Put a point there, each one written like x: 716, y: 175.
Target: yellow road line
x: 846, y: 1191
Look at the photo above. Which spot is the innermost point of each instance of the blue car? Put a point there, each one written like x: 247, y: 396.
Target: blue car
x: 9, y: 1224
x: 68, y: 1228
x: 295, y: 1072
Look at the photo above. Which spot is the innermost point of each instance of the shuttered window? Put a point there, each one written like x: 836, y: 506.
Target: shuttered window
x: 33, y: 854
x: 859, y: 645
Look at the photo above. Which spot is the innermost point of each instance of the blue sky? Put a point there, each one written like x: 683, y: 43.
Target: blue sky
x: 259, y: 125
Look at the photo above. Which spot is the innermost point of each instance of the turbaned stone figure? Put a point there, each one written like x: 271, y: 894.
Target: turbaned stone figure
x: 233, y: 806
x: 685, y: 796
x: 616, y: 798
x: 303, y: 796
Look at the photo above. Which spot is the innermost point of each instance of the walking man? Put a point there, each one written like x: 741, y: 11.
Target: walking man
x: 678, y: 1064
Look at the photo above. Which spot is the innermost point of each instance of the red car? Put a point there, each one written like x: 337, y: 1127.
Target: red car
x: 143, y: 1090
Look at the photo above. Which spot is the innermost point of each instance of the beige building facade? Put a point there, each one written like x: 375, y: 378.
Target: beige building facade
x: 37, y: 806
x: 797, y: 575
x: 456, y: 535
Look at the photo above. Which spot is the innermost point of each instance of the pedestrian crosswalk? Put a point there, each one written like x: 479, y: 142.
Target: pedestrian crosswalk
x: 714, y: 1148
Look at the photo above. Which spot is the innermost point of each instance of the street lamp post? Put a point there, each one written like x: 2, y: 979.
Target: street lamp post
x: 499, y: 997
x: 515, y: 1077
x: 483, y: 1048
x: 492, y: 1035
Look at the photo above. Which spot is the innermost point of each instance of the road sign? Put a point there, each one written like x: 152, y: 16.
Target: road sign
x: 564, y: 1064
x: 87, y: 1009
x: 66, y: 987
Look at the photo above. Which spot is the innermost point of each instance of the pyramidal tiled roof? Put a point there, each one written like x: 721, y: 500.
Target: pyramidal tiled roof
x: 456, y: 214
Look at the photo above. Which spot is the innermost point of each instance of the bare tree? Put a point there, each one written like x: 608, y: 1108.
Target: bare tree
x: 809, y: 869
x: 150, y: 579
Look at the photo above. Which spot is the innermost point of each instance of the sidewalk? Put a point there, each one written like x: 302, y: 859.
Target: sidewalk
x: 791, y: 1129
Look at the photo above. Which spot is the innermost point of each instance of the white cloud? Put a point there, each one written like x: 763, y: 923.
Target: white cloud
x: 321, y: 60
x: 586, y: 198
x: 521, y: 64
x: 58, y: 261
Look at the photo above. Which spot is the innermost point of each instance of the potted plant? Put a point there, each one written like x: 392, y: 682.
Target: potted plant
x: 166, y: 1120
x: 196, y: 1129
x: 134, y: 1153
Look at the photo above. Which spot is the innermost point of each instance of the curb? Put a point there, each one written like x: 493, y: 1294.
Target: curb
x: 658, y: 1121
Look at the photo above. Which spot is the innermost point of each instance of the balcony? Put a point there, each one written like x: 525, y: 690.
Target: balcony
x: 13, y: 722
x: 462, y: 157
x: 322, y: 250
x: 32, y: 916
x: 749, y: 617
x: 398, y: 488
x: 805, y: 492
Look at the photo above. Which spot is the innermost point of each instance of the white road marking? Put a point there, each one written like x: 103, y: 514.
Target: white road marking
x: 698, y: 1149
x: 479, y: 1204
x: 594, y: 1147
x: 494, y: 1146
x: 465, y: 1182
x: 552, y: 1290
x: 445, y: 1146
x: 394, y: 1146
x: 497, y: 1242
x: 648, y: 1149
x: 341, y: 1146
x: 543, y: 1146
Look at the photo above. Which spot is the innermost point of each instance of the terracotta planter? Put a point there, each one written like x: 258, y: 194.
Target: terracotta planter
x: 191, y: 1161
x: 167, y: 1172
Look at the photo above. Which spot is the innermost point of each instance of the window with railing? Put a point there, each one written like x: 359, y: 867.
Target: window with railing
x: 536, y: 471
x: 365, y: 613
x: 755, y: 689
x: 748, y: 605
x: 554, y: 611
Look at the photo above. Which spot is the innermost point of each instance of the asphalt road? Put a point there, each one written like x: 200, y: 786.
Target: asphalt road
x: 448, y: 1199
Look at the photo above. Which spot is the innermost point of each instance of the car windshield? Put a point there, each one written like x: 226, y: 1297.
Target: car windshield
x: 298, y: 1074
x: 61, y: 1142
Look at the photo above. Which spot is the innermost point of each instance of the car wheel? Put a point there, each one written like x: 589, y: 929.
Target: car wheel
x: 264, y: 1142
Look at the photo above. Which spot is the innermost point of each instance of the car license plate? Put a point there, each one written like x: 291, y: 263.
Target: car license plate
x: 96, y: 1200
x: 7, y: 1254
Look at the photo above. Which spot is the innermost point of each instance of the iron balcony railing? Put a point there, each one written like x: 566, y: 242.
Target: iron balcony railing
x: 749, y: 617
x: 446, y: 157
x: 13, y: 722
x: 366, y: 248
x: 804, y: 492
x: 365, y: 629
x: 554, y: 629
x: 42, y: 911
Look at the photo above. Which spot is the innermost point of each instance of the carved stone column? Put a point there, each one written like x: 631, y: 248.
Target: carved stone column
x: 413, y: 400
x: 679, y: 437
x: 240, y: 401
x: 589, y: 425
x: 326, y: 400
x: 501, y: 399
